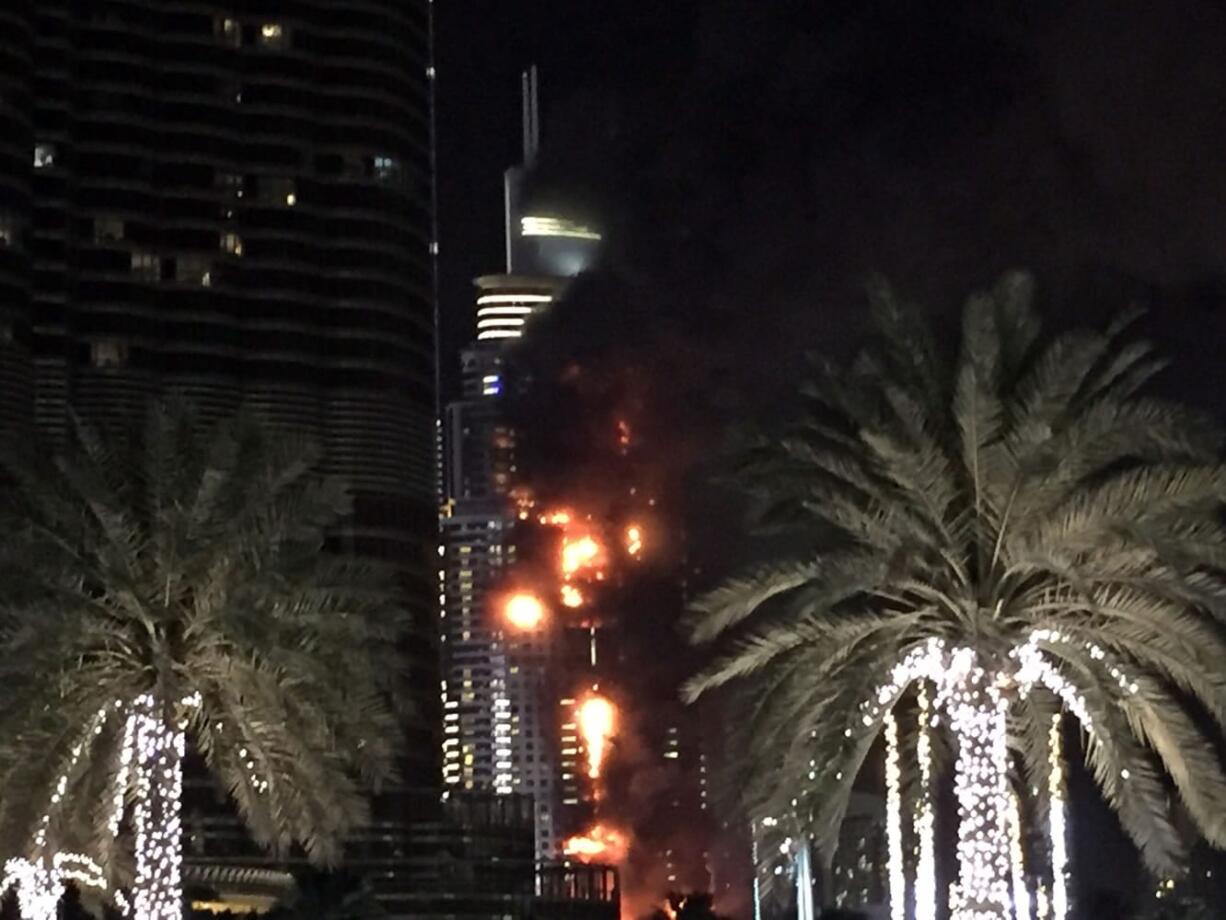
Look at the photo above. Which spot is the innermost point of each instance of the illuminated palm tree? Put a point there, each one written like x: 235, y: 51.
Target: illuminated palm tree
x: 169, y: 587
x: 1009, y: 532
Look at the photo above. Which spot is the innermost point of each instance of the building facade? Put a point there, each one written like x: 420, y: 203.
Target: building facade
x: 500, y: 718
x: 234, y: 201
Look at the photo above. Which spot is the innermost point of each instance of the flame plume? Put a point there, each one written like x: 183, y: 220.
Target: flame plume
x: 601, y: 844
x: 597, y: 719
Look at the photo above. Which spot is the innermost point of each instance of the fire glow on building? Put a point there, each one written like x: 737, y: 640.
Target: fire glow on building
x: 589, y: 717
x: 538, y: 693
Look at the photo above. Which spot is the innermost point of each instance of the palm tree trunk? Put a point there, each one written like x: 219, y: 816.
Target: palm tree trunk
x: 160, y: 746
x: 976, y: 710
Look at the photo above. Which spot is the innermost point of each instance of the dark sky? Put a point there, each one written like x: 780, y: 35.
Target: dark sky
x: 754, y: 161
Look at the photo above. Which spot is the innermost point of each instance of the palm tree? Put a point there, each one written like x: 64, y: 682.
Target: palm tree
x: 171, y: 585
x: 1010, y: 532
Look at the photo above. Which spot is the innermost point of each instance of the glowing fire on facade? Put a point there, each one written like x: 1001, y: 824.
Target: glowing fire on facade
x: 559, y: 518
x: 582, y: 554
x: 571, y: 596
x: 597, y: 719
x: 524, y: 611
x: 634, y: 541
x: 601, y: 844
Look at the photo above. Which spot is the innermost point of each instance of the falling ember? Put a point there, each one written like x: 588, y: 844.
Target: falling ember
x: 524, y: 611
x: 571, y: 596
x: 599, y: 845
x: 634, y: 540
x: 597, y: 720
x: 580, y: 554
x: 623, y: 435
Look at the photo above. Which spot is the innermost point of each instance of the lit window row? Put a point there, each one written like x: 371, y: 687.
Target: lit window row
x: 271, y: 35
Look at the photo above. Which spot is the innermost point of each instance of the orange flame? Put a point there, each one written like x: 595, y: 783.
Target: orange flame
x: 558, y: 518
x: 634, y: 540
x: 584, y: 553
x: 524, y: 611
x: 571, y: 596
x: 597, y: 719
x: 600, y: 844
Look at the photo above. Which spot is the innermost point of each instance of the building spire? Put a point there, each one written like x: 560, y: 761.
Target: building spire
x: 532, y: 115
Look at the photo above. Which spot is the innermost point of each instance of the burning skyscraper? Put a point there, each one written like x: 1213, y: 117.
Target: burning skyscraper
x: 499, y: 709
x: 560, y: 663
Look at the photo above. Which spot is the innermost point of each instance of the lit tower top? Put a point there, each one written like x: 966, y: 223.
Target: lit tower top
x: 505, y: 302
x: 545, y: 241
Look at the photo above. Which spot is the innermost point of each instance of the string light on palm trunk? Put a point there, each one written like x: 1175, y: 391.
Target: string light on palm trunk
x: 37, y: 887
x: 893, y: 805
x: 156, y: 816
x: 1057, y: 830
x: 925, y: 817
x: 150, y: 755
x: 977, y: 712
x: 1021, y: 893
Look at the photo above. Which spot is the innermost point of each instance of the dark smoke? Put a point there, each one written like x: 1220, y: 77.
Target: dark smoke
x: 798, y: 148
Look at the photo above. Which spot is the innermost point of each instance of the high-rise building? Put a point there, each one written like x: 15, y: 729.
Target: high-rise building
x: 499, y: 708
x: 234, y: 200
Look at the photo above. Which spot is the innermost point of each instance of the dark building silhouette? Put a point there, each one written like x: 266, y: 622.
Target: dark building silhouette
x: 234, y: 200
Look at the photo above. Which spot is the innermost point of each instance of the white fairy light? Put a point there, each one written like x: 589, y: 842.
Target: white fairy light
x: 893, y: 804
x: 150, y: 754
x: 126, y: 753
x: 156, y: 817
x: 1021, y: 893
x: 37, y: 887
x: 95, y: 725
x: 977, y: 710
x: 1042, y: 904
x: 925, y: 818
x: 1058, y: 824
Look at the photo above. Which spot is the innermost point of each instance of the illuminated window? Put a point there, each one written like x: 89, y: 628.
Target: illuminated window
x: 44, y: 155
x: 191, y: 269
x: 108, y: 230
x: 232, y: 243
x: 230, y: 182
x: 229, y: 31
x: 278, y: 190
x: 385, y: 168
x: 146, y: 266
x: 108, y: 353
x: 274, y: 35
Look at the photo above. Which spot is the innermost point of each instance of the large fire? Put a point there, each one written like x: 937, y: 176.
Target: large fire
x: 601, y: 844
x: 524, y: 611
x: 597, y: 719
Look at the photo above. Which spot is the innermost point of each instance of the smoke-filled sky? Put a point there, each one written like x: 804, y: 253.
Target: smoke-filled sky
x: 754, y: 161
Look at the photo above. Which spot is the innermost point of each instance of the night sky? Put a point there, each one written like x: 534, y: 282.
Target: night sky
x: 752, y: 162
